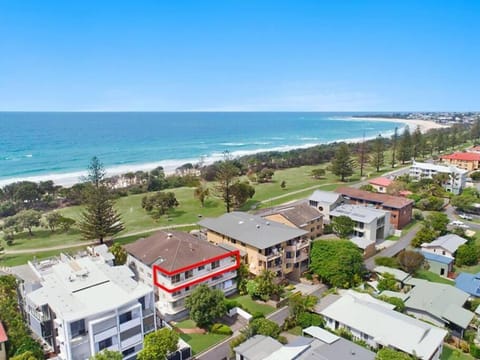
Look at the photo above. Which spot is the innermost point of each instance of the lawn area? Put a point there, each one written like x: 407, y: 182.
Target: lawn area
x: 252, y: 306
x: 430, y: 276
x: 186, y: 324
x: 201, y: 342
x: 453, y: 354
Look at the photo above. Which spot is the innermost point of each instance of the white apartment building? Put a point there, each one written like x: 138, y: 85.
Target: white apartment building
x: 80, y: 306
x: 457, y: 177
x: 173, y: 263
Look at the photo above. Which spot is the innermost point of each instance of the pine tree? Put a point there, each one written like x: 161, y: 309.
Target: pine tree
x: 342, y: 164
x: 226, y: 177
x: 475, y: 131
x: 405, y: 146
x: 417, y: 142
x: 99, y: 219
x: 362, y: 156
x: 377, y: 158
x: 394, y: 146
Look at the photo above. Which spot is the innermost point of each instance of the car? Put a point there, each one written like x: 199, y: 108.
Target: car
x: 465, y: 216
x: 456, y: 223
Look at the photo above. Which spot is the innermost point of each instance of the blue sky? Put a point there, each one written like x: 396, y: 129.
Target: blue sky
x: 247, y: 55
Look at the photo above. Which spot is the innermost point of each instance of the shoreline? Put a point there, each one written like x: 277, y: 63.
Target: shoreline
x: 68, y: 179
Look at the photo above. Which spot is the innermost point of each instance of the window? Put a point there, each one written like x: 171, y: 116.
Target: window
x: 125, y: 317
x: 175, y: 278
x: 128, y: 351
x: 105, y: 344
x: 188, y: 274
x: 176, y: 293
x: 215, y: 264
x: 200, y: 268
x: 142, y: 301
x: 77, y: 328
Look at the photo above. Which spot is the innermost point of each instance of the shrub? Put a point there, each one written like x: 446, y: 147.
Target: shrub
x: 307, y: 319
x: 230, y: 304
x: 257, y: 315
x: 221, y: 329
x: 417, y: 215
x: 344, y: 333
x: 282, y: 340
x: 237, y: 340
x: 474, y: 351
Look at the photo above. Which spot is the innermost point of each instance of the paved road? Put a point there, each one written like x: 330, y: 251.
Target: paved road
x: 393, y: 250
x: 450, y: 211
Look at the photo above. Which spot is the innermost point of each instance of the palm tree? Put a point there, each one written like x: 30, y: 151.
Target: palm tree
x: 201, y: 193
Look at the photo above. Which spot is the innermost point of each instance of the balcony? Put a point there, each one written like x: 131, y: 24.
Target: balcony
x: 298, y: 245
x: 267, y: 258
x: 129, y: 324
x: 131, y: 341
x: 165, y: 282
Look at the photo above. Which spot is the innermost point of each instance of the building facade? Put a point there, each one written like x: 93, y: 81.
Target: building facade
x: 455, y: 183
x: 325, y: 202
x: 469, y: 161
x: 263, y: 244
x: 173, y: 263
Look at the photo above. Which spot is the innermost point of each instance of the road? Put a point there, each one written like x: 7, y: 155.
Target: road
x: 450, y: 211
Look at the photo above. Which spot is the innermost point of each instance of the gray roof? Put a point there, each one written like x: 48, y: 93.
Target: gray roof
x: 450, y: 242
x: 329, y: 197
x: 440, y: 300
x: 340, y: 349
x: 299, y: 214
x: 398, y: 274
x: 258, y: 347
x: 359, y: 213
x: 251, y: 229
x: 362, y: 243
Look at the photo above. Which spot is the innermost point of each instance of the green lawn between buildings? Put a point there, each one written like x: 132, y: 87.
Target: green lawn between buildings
x: 450, y: 353
x: 430, y: 276
x: 201, y: 342
x: 251, y: 306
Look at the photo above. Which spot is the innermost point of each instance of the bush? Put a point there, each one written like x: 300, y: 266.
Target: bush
x: 257, y: 315
x: 387, y: 261
x: 307, y: 319
x: 475, y: 351
x: 475, y: 175
x: 282, y: 340
x: 344, y: 333
x: 221, y: 329
x: 230, y: 304
x: 417, y: 215
x: 237, y: 340
x: 327, y: 229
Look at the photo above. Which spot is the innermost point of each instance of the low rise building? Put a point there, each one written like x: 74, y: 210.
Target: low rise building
x: 81, y: 306
x: 445, y: 245
x: 298, y: 215
x: 438, y: 264
x: 464, y: 160
x: 175, y: 262
x: 380, y: 184
x: 457, y: 177
x: 325, y: 202
x: 376, y: 323
x: 469, y: 283
x: 265, y: 244
x: 400, y: 208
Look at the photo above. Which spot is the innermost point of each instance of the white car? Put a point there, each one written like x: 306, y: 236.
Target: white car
x: 465, y: 216
x: 459, y: 224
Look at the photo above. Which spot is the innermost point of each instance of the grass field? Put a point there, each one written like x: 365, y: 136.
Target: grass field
x: 186, y: 324
x: 430, y: 276
x: 454, y: 354
x: 201, y: 342
x: 252, y: 306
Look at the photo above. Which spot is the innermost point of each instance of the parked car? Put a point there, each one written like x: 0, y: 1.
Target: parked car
x: 465, y: 216
x: 459, y: 224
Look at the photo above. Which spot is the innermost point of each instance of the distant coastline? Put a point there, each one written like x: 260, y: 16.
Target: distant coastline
x: 425, y: 125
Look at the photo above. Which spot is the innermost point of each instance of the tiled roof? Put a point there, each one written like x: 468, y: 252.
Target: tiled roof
x: 462, y: 156
x: 380, y: 181
x: 383, y: 199
x: 173, y: 250
x: 298, y: 214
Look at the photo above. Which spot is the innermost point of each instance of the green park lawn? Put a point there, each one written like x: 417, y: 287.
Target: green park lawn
x: 430, y: 276
x: 201, y: 342
x: 252, y: 306
x: 454, y: 354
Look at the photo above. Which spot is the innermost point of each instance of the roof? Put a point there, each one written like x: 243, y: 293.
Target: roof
x: 387, y: 327
x: 475, y: 148
x: 252, y: 229
x: 340, y: 349
x: 321, y: 334
x: 437, y: 168
x: 470, y: 283
x: 391, y: 201
x: 292, y: 350
x: 437, y: 258
x: 258, y: 347
x: 3, y: 334
x: 398, y: 274
x: 440, y: 300
x: 324, y: 196
x: 380, y: 181
x: 450, y: 242
x: 362, y: 243
x: 359, y: 213
x: 462, y: 156
x: 173, y: 250
x: 299, y: 214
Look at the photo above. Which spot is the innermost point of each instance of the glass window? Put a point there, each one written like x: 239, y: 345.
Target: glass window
x: 105, y: 344
x: 125, y: 317
x: 77, y: 328
x: 175, y: 278
x: 215, y: 264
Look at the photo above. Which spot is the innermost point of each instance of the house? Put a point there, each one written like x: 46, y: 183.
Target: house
x: 464, y: 160
x: 470, y: 283
x: 438, y: 264
x: 3, y: 343
x: 457, y: 178
x: 400, y: 208
x: 80, y: 306
x: 445, y: 245
x: 370, y: 224
x: 297, y: 215
x: 266, y: 245
x: 175, y: 262
x: 380, y: 184
x: 439, y: 304
x: 325, y: 201
x: 376, y: 323
x: 316, y: 344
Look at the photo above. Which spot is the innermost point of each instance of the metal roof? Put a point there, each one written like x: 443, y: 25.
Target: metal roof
x: 450, y: 242
x: 438, y: 258
x: 359, y: 213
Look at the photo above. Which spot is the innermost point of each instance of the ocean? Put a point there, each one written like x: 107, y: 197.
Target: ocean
x: 59, y: 146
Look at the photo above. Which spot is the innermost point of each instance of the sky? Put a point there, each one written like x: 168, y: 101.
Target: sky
x: 245, y: 55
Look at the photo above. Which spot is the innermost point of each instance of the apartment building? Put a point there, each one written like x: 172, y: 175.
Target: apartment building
x: 464, y: 160
x: 400, y: 208
x: 457, y: 177
x: 81, y: 306
x: 298, y: 215
x: 264, y: 244
x: 325, y: 201
x: 173, y: 263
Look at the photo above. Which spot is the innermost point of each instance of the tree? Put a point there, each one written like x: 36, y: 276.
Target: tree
x: 226, y: 175
x: 467, y: 255
x: 242, y: 278
x: 391, y: 354
x: 201, y: 193
x: 265, y: 175
x: 266, y: 286
x: 342, y: 226
x: 342, y: 164
x: 410, y: 261
x: 338, y: 263
x: 107, y: 355
x: 318, y: 173
x: 475, y: 131
x: 387, y: 282
x: 265, y: 327
x: 66, y: 223
x: 299, y: 304
x: 437, y: 221
x: 405, y: 146
x: 283, y: 184
x: 119, y: 253
x: 53, y: 220
x: 99, y: 219
x: 206, y: 305
x: 377, y: 159
x: 424, y: 235
x: 27, y: 355
x: 394, y: 146
x: 28, y: 219
x: 417, y: 142
x: 159, y: 203
x: 362, y: 156
x: 157, y: 345
x: 241, y: 192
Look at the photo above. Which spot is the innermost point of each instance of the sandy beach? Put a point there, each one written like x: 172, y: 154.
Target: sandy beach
x: 424, y: 125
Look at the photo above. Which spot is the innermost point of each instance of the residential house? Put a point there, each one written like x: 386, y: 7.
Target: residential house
x: 445, y: 245
x: 470, y: 283
x: 380, y: 184
x: 438, y: 264
x: 439, y: 304
x: 400, y: 208
x: 3, y: 343
x: 266, y: 244
x: 464, y: 160
x: 376, y: 323
x: 81, y: 306
x: 325, y: 201
x: 457, y: 177
x: 297, y: 215
x: 175, y: 262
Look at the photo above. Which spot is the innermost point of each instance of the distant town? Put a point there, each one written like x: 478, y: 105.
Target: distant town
x: 438, y: 117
